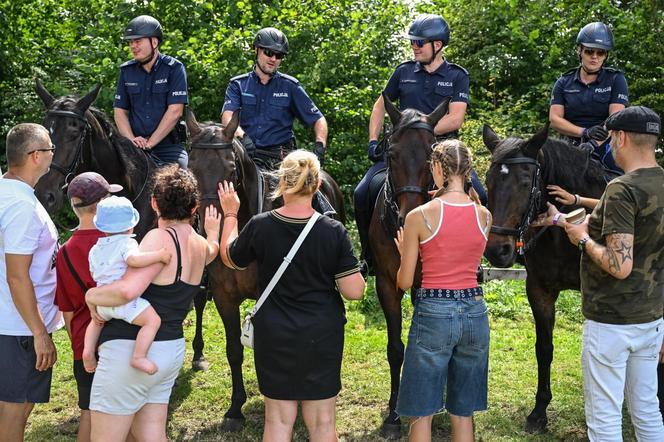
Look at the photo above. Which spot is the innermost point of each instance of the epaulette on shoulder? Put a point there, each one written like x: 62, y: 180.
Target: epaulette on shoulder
x: 570, y: 72
x: 240, y: 77
x: 170, y: 61
x: 128, y: 63
x: 454, y: 65
x: 613, y: 70
x: 406, y: 63
x: 288, y: 77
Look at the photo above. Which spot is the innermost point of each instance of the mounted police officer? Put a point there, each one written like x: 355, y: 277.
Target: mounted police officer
x: 420, y: 84
x: 270, y: 102
x: 585, y: 96
x: 151, y: 94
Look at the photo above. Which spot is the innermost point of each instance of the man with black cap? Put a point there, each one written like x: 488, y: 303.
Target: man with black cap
x: 270, y: 101
x: 74, y: 279
x: 622, y: 270
x: 151, y: 94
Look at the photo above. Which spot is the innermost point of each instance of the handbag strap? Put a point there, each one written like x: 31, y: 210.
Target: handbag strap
x: 287, y: 260
x: 72, y: 270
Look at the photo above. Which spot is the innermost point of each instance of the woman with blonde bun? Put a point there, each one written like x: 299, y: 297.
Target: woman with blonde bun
x: 299, y: 330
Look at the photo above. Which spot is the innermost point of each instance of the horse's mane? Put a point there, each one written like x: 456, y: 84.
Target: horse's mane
x: 562, y: 163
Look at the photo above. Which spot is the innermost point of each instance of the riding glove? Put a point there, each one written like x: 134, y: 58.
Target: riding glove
x: 248, y: 145
x: 372, y: 151
x: 319, y: 151
x: 597, y: 133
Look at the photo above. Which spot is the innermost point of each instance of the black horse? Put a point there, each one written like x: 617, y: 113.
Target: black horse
x: 407, y: 182
x: 517, y: 178
x: 216, y: 156
x: 87, y: 141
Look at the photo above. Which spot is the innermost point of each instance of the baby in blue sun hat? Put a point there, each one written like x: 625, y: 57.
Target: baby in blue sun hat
x: 109, y: 259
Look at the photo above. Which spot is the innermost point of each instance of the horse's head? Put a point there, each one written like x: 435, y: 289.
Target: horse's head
x: 513, y: 186
x: 69, y: 123
x: 409, y: 177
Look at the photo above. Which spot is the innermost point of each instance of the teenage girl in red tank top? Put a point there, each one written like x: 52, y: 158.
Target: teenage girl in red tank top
x: 446, y: 360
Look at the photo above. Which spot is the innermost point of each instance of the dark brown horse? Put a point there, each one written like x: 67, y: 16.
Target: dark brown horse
x: 216, y: 156
x: 87, y: 141
x: 517, y: 178
x: 408, y: 180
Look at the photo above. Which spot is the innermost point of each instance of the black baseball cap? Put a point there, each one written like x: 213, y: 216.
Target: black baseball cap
x: 637, y: 119
x: 90, y: 187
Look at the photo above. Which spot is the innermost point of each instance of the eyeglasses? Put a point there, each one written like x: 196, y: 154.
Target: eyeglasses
x: 419, y: 43
x: 51, y: 149
x: 269, y: 54
x: 593, y: 51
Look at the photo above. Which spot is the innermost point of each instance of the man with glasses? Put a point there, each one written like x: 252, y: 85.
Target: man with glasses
x: 28, y: 248
x: 585, y: 96
x: 151, y: 94
x: 420, y: 84
x: 269, y: 102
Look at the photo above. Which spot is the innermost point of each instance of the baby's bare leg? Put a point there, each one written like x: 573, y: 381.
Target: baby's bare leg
x: 149, y: 321
x: 92, y: 333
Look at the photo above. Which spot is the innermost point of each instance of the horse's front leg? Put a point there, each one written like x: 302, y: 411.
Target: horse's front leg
x: 543, y: 305
x: 229, y: 310
x: 390, y: 301
x: 199, y: 363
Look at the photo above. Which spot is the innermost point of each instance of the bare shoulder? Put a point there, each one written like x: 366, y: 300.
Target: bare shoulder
x: 155, y: 239
x: 485, y: 215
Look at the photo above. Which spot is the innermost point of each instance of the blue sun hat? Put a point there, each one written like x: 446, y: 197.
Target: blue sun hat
x: 115, y: 214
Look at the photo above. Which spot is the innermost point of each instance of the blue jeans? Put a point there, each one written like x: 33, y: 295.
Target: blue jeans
x: 170, y: 154
x: 447, y: 358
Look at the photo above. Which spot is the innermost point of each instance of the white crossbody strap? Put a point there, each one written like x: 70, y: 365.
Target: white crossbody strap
x: 287, y: 260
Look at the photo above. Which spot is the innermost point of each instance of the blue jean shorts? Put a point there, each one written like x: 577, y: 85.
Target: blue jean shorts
x: 447, y: 358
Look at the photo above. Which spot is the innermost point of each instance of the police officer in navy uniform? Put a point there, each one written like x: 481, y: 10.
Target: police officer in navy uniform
x: 585, y: 96
x: 151, y: 94
x: 420, y: 84
x: 269, y: 102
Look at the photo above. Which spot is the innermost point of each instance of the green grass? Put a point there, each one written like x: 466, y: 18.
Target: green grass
x: 200, y: 399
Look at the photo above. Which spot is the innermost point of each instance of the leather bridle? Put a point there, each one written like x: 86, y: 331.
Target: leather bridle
x: 70, y: 171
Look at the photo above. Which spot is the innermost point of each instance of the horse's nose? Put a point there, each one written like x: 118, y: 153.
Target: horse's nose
x: 401, y: 220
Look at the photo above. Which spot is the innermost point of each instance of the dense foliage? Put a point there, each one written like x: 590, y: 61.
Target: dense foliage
x: 343, y: 51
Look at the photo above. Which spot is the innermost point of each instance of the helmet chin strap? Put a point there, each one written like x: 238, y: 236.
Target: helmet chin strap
x: 592, y: 72
x: 434, y: 52
x: 256, y: 64
x: 151, y: 57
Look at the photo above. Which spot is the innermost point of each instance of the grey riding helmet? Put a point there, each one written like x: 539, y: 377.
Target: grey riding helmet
x: 273, y: 39
x: 429, y: 27
x: 143, y: 26
x: 596, y: 35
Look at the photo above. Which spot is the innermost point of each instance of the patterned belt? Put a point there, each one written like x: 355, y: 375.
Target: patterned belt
x: 456, y: 294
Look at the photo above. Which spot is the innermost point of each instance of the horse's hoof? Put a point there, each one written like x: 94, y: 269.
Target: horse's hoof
x: 391, y: 431
x: 200, y: 364
x: 536, y: 425
x: 232, y: 424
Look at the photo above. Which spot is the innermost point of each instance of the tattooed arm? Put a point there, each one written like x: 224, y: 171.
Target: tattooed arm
x: 616, y: 258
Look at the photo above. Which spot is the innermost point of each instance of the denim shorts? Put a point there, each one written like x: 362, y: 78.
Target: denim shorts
x: 447, y: 358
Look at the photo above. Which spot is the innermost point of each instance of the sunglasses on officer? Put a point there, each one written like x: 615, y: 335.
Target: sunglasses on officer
x: 51, y: 149
x: 419, y: 43
x: 270, y: 53
x: 593, y: 51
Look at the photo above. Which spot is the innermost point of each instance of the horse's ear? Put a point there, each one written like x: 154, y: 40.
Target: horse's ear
x: 392, y: 111
x: 490, y: 138
x: 84, y: 103
x: 232, y: 125
x: 192, y: 124
x: 439, y: 112
x: 45, y: 95
x: 535, y: 143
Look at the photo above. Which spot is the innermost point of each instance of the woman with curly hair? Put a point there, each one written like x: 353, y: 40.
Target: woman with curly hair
x: 125, y: 400
x: 446, y: 360
x: 299, y: 330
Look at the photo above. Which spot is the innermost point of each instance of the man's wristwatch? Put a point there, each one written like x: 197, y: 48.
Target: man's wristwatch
x: 582, y: 243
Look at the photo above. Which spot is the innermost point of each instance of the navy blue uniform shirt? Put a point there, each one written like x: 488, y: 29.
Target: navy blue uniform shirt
x: 588, y: 105
x: 418, y: 89
x: 147, y: 95
x: 268, y: 110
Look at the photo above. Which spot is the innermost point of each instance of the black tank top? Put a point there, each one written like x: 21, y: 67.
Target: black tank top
x: 171, y: 302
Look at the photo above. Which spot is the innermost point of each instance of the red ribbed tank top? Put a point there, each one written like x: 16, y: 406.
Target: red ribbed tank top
x: 452, y: 254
